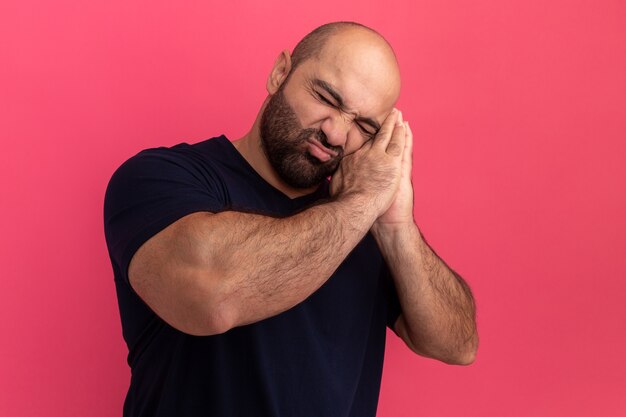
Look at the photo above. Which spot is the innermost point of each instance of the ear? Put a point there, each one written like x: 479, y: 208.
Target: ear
x: 279, y: 73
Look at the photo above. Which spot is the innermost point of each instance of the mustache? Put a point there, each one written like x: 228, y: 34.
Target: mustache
x: 322, y: 138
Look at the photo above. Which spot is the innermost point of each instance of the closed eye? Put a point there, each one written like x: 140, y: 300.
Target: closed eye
x: 324, y: 99
x: 365, y: 131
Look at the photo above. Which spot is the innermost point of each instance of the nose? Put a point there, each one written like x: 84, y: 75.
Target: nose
x: 336, y: 129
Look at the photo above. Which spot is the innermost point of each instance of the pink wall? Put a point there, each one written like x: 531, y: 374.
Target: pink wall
x: 519, y: 111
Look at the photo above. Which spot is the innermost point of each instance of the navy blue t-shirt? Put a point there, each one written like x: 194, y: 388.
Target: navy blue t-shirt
x: 322, y: 357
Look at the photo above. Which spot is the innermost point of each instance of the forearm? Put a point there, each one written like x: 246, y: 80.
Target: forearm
x: 263, y: 266
x: 437, y: 304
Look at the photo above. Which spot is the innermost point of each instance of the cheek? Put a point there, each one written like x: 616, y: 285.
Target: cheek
x: 310, y: 113
x: 354, y: 141
x: 313, y: 118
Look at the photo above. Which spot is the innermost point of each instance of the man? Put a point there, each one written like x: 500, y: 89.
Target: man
x: 251, y: 285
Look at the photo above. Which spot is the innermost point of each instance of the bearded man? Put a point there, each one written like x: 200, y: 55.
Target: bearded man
x: 257, y: 277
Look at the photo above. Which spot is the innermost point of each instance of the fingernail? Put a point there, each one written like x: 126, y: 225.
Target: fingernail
x: 399, y: 120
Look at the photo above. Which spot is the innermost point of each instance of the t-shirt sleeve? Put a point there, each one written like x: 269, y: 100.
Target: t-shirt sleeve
x: 150, y: 191
x: 393, y: 303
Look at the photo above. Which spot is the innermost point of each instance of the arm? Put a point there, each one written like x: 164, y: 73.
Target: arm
x: 438, y: 310
x: 207, y: 273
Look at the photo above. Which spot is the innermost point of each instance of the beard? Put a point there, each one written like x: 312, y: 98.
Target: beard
x: 284, y: 142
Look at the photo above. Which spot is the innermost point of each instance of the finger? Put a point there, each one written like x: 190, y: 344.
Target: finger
x: 407, y: 154
x: 395, y: 147
x: 381, y: 140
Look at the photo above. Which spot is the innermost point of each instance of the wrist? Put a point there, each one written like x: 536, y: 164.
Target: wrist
x: 397, y: 230
x: 357, y: 209
x: 354, y: 201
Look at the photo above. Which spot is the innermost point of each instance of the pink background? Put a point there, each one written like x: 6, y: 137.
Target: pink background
x: 519, y: 111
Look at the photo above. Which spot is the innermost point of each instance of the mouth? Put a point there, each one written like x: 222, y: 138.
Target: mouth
x: 320, y: 151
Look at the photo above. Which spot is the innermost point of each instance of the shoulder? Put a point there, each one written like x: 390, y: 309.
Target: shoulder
x: 165, y: 166
x: 153, y: 189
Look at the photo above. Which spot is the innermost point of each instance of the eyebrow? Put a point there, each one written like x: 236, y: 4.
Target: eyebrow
x: 330, y: 90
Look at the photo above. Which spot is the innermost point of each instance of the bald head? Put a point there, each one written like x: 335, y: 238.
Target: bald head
x: 339, y: 42
x: 311, y: 45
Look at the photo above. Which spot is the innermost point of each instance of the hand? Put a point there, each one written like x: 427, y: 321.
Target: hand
x: 400, y: 212
x: 372, y: 174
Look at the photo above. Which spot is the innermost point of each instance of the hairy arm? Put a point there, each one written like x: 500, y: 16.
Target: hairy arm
x: 207, y: 273
x: 438, y: 318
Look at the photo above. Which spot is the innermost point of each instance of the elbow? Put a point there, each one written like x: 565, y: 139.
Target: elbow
x: 457, y: 358
x: 207, y: 311
x: 207, y: 321
x: 220, y: 319
x: 204, y: 329
x: 465, y: 356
